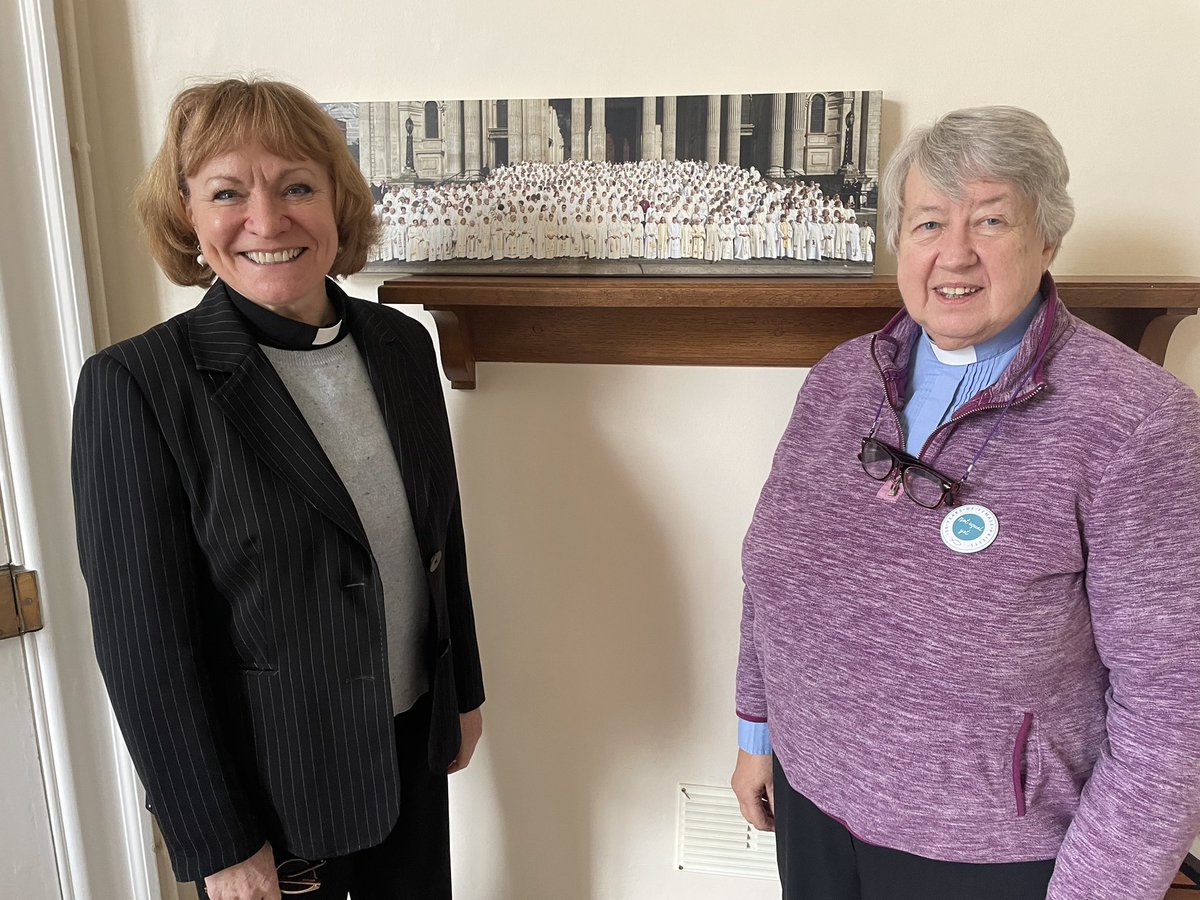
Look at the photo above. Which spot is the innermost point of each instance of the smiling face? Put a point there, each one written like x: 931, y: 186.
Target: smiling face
x: 967, y: 268
x: 267, y: 228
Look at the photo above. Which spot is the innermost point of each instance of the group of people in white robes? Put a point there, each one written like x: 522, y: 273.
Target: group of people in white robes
x: 655, y: 210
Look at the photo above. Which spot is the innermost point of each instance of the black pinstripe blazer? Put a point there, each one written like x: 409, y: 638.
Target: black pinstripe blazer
x: 237, y: 609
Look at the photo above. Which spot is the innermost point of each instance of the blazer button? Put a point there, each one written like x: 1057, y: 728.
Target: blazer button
x: 435, y: 561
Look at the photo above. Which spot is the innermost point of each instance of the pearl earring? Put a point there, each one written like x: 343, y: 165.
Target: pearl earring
x: 200, y: 260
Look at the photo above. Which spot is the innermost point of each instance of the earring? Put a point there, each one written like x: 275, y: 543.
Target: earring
x: 200, y: 260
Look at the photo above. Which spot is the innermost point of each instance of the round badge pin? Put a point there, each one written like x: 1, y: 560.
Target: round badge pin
x: 970, y: 528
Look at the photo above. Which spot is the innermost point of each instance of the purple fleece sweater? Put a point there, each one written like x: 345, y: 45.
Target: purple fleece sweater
x: 1037, y: 699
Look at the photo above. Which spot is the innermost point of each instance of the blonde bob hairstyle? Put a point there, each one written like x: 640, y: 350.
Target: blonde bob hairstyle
x: 209, y: 120
x: 985, y: 143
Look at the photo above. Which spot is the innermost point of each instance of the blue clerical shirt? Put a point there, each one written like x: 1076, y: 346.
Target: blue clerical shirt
x: 940, y: 381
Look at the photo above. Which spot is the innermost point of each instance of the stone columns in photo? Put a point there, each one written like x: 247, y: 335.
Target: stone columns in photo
x: 796, y: 152
x: 472, y: 136
x: 733, y: 130
x: 873, y: 100
x: 668, y: 129
x: 532, y: 123
x: 490, y: 131
x: 578, y: 129
x: 454, y: 137
x: 712, y: 143
x: 516, y: 134
x: 555, y: 142
x: 778, y: 133
x: 599, y: 133
x: 648, y: 128
x: 380, y: 131
x: 394, y: 138
x: 366, y: 142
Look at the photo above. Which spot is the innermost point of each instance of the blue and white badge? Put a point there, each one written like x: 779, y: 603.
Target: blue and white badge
x: 970, y: 528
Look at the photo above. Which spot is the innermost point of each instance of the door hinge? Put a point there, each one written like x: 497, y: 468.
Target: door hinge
x: 20, y: 604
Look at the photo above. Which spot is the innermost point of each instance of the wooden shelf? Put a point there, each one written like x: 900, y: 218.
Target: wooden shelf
x: 722, y: 321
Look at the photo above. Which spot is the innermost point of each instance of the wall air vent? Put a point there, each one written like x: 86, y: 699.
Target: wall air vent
x: 716, y: 840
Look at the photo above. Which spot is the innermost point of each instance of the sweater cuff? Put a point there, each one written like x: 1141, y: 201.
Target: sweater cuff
x: 754, y: 737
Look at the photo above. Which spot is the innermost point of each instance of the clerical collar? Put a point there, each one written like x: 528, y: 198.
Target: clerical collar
x: 993, y: 346
x: 278, y: 331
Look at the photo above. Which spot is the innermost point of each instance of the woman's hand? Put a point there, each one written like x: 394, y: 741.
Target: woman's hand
x: 471, y: 724
x: 754, y: 784
x: 251, y: 879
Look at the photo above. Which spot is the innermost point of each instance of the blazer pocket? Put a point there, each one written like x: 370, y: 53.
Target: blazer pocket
x: 251, y: 626
x: 254, y: 667
x: 435, y: 578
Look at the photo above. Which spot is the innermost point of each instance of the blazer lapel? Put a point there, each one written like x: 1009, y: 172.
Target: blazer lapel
x: 257, y: 404
x: 391, y: 363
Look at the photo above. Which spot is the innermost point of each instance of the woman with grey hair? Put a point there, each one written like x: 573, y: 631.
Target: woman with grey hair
x: 969, y: 658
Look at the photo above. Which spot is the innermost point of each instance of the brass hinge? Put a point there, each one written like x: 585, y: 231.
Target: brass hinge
x: 20, y: 605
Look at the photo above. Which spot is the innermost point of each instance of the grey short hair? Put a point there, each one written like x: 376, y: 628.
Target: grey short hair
x: 990, y: 143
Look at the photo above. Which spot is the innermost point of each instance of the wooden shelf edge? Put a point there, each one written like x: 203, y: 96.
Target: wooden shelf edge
x: 722, y: 321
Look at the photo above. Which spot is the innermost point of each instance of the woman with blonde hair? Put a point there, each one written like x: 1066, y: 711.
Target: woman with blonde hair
x: 269, y: 526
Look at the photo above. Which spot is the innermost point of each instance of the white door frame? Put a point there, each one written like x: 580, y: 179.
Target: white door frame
x: 102, y: 835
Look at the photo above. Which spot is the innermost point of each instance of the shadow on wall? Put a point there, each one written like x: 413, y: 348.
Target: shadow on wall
x: 578, y: 607
x: 116, y: 121
x: 891, y: 132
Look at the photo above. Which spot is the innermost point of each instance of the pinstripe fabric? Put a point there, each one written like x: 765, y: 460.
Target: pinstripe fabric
x: 237, y: 609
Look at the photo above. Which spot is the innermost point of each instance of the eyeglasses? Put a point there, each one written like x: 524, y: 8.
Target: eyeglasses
x: 298, y: 876
x: 925, y: 485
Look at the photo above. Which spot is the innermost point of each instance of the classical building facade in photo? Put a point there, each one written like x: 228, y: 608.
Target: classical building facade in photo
x: 781, y: 135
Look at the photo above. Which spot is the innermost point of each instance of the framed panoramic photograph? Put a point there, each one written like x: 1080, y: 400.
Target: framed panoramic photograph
x: 735, y: 184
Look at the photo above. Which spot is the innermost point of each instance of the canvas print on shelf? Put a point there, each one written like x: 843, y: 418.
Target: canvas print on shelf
x: 732, y: 184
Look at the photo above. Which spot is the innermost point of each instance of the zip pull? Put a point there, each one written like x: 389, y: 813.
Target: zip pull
x: 896, y: 486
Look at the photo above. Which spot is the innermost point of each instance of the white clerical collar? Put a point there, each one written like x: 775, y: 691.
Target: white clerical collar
x: 993, y: 346
x: 327, y: 334
x: 963, y: 357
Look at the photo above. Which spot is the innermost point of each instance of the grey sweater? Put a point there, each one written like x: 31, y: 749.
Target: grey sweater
x: 333, y: 391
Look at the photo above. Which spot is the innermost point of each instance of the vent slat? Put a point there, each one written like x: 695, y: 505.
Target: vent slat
x: 720, y: 866
x: 737, y: 847
x: 763, y: 869
x: 717, y: 822
x: 735, y: 854
x: 714, y: 839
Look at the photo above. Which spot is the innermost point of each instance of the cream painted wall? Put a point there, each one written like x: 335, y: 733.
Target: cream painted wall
x: 605, y: 505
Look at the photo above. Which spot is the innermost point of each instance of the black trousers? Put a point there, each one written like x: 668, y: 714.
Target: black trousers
x: 413, y: 862
x: 819, y: 859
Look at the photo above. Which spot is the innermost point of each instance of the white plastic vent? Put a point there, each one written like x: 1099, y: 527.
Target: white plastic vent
x: 715, y: 839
